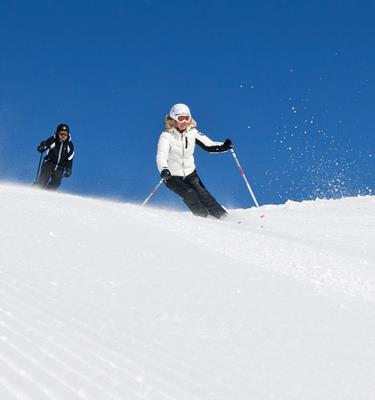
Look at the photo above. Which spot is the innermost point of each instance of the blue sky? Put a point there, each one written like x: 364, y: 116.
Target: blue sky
x: 291, y: 83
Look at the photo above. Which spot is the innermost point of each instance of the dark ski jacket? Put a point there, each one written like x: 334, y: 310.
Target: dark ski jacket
x: 59, y: 153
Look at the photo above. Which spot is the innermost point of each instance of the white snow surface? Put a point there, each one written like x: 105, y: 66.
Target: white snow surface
x: 106, y: 300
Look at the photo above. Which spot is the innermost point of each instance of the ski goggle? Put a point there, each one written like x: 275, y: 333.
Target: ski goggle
x: 183, y: 118
x: 63, y: 133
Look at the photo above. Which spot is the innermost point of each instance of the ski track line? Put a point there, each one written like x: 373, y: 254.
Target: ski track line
x: 188, y: 369
x: 265, y: 232
x: 133, y: 394
x: 19, y: 341
x: 349, y: 281
x: 329, y: 277
x: 7, y: 390
x: 20, y: 371
x: 143, y: 371
x: 115, y: 369
x: 19, y: 383
x: 161, y: 353
x: 340, y: 252
x: 81, y: 336
x: 210, y: 371
x: 269, y: 232
x: 299, y: 220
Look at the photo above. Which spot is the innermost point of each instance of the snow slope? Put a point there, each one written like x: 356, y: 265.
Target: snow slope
x: 104, y: 300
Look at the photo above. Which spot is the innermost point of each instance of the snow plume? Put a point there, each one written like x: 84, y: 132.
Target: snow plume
x: 103, y: 300
x: 316, y: 161
x: 334, y: 179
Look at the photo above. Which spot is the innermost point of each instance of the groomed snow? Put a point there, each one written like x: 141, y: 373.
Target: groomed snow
x: 104, y: 300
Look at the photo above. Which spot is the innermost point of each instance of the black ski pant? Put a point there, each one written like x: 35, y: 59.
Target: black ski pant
x: 50, y: 177
x: 195, y: 195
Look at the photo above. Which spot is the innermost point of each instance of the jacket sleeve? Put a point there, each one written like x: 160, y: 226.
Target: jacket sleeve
x: 69, y: 163
x: 163, y: 152
x: 49, y: 141
x: 209, y: 145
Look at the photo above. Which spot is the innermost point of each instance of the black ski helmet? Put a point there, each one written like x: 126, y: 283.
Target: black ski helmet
x: 62, y: 127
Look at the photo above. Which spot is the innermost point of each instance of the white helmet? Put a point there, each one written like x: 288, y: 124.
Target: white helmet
x: 178, y: 110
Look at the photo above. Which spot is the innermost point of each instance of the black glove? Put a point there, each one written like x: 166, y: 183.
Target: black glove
x: 228, y: 144
x: 165, y: 174
x: 68, y: 172
x: 41, y: 147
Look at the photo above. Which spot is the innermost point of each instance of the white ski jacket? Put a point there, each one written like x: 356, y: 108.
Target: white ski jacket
x: 176, y: 150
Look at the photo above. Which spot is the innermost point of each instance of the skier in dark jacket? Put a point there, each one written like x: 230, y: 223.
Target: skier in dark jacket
x: 59, y: 159
x: 175, y: 161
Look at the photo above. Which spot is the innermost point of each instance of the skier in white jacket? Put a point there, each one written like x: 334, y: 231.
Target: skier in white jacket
x: 175, y: 161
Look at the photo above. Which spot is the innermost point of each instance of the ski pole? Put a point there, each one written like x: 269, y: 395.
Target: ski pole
x: 244, y: 177
x: 153, y: 191
x: 40, y: 163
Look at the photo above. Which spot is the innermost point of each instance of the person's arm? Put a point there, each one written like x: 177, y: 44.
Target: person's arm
x: 209, y: 145
x: 162, y: 152
x: 69, y: 163
x: 45, y: 144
